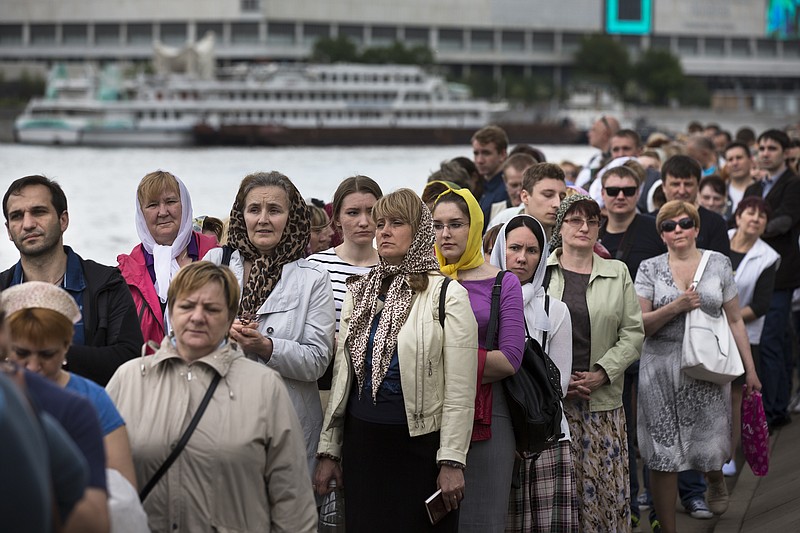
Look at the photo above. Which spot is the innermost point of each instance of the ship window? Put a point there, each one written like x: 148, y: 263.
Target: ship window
x: 10, y: 34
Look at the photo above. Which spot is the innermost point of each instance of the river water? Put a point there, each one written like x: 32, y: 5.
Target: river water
x: 100, y: 184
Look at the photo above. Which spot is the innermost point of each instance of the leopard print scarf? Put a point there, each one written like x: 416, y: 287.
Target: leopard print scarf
x: 397, y: 304
x: 266, y: 270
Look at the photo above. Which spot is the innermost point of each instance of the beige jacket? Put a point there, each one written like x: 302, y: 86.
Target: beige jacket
x: 244, y: 467
x: 438, y: 371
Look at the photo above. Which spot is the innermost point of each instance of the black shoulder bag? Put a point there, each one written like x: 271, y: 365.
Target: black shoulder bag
x: 533, y: 394
x: 176, y: 451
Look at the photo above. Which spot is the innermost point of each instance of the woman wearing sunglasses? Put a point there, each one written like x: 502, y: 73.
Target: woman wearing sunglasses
x: 607, y: 336
x: 684, y: 423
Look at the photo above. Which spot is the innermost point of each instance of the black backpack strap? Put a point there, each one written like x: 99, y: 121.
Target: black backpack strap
x: 227, y: 252
x: 548, y: 272
x: 494, y: 313
x: 442, y: 296
x: 547, y: 312
x: 176, y: 451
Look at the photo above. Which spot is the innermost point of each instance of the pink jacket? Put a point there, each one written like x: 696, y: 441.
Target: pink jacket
x: 148, y: 307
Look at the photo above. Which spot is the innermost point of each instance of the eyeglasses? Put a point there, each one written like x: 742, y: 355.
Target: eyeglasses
x: 613, y: 192
x: 668, y: 226
x: 453, y: 226
x: 578, y: 222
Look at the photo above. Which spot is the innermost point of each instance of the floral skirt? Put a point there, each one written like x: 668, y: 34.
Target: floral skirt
x: 600, y: 455
x: 546, y: 499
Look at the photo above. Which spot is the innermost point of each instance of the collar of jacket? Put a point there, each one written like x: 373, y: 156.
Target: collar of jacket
x: 600, y: 267
x: 220, y: 360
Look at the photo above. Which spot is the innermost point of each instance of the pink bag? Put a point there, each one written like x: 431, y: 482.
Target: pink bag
x: 755, y: 434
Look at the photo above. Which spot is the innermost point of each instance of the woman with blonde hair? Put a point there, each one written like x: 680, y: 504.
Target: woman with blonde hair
x: 684, y: 423
x: 399, y: 419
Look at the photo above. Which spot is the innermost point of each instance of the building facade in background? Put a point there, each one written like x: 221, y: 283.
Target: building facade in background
x: 744, y: 47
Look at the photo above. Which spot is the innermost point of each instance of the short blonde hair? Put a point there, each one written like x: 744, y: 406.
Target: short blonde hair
x: 318, y: 217
x: 402, y: 204
x: 154, y: 184
x: 199, y: 274
x: 674, y: 208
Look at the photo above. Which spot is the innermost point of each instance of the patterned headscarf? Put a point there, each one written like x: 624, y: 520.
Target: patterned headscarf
x: 397, y: 303
x: 566, y: 204
x: 266, y: 269
x: 473, y: 253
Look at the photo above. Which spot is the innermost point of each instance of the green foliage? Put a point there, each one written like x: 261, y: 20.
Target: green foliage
x: 329, y: 50
x: 694, y: 93
x: 660, y: 76
x: 342, y: 49
x: 24, y: 88
x: 527, y: 90
x: 601, y: 59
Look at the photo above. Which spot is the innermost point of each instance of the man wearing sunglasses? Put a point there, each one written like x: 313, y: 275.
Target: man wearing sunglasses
x: 781, y: 190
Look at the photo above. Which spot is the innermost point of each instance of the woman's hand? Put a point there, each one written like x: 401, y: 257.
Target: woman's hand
x: 327, y: 470
x: 590, y: 380
x: 251, y: 340
x: 576, y: 389
x: 451, y: 481
x: 688, y: 301
x: 751, y: 382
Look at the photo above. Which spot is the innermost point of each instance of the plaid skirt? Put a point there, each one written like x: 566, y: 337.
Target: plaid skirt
x: 602, y: 477
x: 546, y: 499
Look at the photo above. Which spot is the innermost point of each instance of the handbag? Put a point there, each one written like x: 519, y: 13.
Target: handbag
x: 533, y: 393
x: 755, y: 434
x: 709, y: 349
x: 176, y: 451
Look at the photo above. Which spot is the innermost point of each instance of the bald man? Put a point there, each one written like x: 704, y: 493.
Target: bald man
x: 600, y: 135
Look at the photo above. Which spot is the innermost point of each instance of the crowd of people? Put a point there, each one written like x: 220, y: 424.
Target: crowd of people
x: 233, y: 373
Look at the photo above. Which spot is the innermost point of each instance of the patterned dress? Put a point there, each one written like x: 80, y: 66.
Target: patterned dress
x: 683, y: 423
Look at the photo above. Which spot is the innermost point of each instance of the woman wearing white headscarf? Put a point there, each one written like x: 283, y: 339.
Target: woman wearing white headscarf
x: 546, y: 499
x: 164, y: 224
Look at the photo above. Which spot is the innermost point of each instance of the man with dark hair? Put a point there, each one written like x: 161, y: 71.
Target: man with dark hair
x: 490, y: 148
x: 747, y: 136
x: 780, y: 188
x: 793, y: 155
x: 739, y: 166
x: 625, y: 143
x: 35, y: 209
x: 721, y: 139
x: 513, y: 168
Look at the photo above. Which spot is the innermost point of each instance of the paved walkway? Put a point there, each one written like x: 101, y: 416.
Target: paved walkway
x: 769, y: 504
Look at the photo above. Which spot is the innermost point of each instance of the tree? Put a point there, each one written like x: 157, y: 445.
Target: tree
x: 329, y: 50
x: 660, y: 75
x: 601, y: 59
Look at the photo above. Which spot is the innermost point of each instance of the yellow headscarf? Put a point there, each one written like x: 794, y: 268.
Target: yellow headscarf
x: 473, y: 254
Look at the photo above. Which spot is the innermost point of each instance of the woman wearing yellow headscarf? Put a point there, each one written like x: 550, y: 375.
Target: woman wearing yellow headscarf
x: 458, y: 222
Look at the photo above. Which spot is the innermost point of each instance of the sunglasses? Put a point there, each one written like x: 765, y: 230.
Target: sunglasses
x: 613, y: 192
x: 669, y: 226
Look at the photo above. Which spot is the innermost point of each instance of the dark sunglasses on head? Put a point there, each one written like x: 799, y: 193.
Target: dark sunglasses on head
x: 669, y: 226
x: 613, y: 192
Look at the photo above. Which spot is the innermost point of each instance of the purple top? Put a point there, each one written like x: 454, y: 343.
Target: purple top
x: 511, y: 330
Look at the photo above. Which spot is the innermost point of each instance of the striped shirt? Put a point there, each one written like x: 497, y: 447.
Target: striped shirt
x: 339, y: 272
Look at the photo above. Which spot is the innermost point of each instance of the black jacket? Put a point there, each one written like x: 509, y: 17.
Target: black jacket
x: 111, y: 327
x: 783, y: 229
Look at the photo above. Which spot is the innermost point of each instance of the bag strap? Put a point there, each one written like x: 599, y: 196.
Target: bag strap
x: 494, y: 313
x: 227, y: 252
x: 700, y: 269
x: 176, y: 451
x: 547, y: 312
x: 442, y: 296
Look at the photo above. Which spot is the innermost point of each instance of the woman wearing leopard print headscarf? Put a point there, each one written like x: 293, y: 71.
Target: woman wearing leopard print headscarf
x: 400, y: 413
x: 286, y: 312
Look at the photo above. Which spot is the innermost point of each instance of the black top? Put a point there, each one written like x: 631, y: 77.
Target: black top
x: 639, y: 242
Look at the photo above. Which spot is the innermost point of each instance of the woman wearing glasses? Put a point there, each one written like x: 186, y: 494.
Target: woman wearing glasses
x: 684, y: 423
x: 607, y: 337
x: 458, y: 222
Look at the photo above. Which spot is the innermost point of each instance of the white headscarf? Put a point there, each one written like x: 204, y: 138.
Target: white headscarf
x: 533, y: 291
x: 165, y: 257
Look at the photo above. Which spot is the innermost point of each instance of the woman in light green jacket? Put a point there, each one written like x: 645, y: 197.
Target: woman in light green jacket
x: 607, y: 336
x: 399, y: 419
